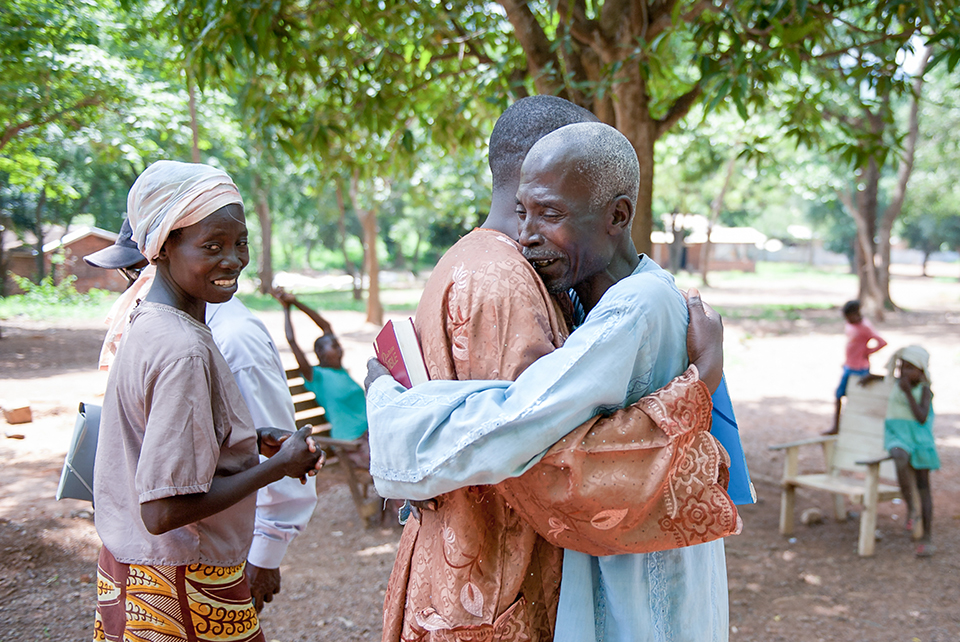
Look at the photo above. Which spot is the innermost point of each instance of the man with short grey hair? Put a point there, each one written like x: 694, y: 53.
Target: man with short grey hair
x: 575, y: 205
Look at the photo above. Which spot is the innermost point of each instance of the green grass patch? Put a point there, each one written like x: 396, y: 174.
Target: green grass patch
x: 785, y: 273
x: 771, y: 312
x: 56, y: 301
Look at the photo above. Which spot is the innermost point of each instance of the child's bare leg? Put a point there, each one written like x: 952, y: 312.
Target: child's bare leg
x: 926, y: 502
x: 836, y: 420
x: 905, y: 477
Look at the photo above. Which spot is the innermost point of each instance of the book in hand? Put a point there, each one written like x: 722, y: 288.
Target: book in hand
x: 725, y: 429
x: 398, y: 349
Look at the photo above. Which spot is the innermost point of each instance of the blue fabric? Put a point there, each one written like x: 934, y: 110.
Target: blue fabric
x: 842, y: 388
x: 725, y: 429
x: 443, y: 435
x: 670, y: 596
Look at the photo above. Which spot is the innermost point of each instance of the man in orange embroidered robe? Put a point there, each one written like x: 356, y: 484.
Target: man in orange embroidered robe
x: 469, y: 566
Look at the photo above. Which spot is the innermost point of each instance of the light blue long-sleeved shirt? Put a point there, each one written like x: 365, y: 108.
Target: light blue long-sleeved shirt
x: 443, y: 435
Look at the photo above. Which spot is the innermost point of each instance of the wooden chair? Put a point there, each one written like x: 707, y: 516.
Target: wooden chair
x: 856, y: 462
x: 340, y: 453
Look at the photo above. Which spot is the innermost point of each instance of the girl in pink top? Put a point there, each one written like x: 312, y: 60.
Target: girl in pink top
x: 859, y: 335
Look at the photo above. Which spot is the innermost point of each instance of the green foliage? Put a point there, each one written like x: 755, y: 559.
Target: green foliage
x: 47, y: 291
x: 396, y: 100
x: 770, y: 312
x: 54, y: 300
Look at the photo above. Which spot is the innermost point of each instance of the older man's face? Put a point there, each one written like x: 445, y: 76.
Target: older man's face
x: 562, y: 233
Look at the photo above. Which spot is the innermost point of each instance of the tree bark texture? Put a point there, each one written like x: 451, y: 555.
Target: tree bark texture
x: 265, y: 265
x: 895, y: 207
x: 38, y: 232
x: 610, y: 40
x: 368, y: 221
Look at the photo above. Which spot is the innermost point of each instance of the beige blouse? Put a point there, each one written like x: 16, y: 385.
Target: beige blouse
x: 172, y: 419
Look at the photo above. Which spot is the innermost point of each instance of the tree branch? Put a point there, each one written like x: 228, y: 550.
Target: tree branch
x: 581, y: 27
x: 680, y: 107
x: 849, y: 121
x: 903, y: 36
x: 10, y: 132
x: 535, y: 44
x: 661, y: 18
x: 893, y: 210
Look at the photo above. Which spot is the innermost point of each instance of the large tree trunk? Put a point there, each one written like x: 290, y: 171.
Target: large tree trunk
x: 368, y: 221
x: 3, y: 262
x: 863, y: 207
x: 265, y: 265
x: 611, y: 40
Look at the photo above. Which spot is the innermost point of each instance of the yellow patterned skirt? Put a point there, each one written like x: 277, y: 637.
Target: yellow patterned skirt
x: 196, y: 603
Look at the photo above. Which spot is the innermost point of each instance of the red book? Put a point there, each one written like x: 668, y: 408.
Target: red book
x: 398, y: 349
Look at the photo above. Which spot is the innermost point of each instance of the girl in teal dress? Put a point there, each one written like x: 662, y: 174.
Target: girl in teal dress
x: 908, y: 435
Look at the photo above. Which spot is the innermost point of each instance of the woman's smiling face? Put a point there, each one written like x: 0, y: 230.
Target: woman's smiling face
x: 204, y: 260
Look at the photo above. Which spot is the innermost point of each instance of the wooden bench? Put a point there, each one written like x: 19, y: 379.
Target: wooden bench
x: 341, y: 453
x: 856, y: 464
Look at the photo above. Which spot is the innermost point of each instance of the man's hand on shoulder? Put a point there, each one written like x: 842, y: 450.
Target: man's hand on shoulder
x: 705, y: 340
x: 264, y: 584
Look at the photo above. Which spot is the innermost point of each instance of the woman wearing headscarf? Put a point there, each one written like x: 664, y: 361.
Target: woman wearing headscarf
x: 908, y: 435
x: 177, y: 465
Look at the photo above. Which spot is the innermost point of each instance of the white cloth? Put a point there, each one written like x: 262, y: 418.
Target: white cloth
x: 284, y: 507
x: 443, y: 435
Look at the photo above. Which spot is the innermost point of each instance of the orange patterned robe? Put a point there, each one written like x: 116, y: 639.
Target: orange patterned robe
x: 473, y: 568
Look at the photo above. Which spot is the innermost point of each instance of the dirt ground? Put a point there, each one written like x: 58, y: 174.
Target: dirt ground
x: 781, y: 372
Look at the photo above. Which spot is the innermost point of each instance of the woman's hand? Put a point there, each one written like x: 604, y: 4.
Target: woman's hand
x: 270, y: 440
x: 299, y: 456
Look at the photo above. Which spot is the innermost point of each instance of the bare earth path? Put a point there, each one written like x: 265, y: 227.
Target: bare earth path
x: 782, y: 369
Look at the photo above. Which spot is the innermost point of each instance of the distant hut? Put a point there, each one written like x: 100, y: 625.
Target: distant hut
x: 734, y: 248
x: 20, y: 258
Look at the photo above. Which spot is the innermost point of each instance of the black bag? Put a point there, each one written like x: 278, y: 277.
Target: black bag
x: 76, y: 480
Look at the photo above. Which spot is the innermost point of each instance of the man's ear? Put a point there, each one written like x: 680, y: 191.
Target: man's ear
x: 621, y: 214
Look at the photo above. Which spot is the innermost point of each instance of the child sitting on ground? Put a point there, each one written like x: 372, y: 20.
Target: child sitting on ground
x: 859, y: 335
x: 908, y: 435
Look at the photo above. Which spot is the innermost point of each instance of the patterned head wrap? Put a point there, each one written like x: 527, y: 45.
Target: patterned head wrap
x: 914, y: 355
x: 168, y: 195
